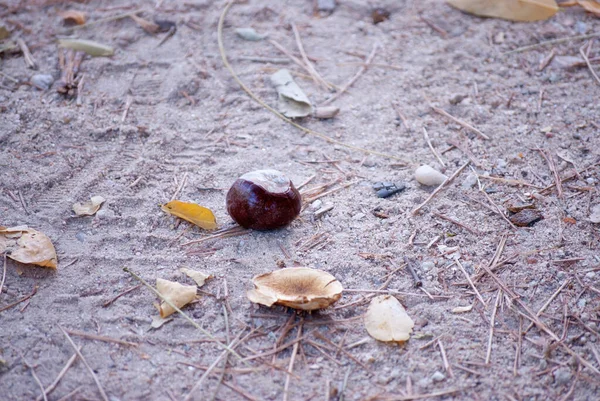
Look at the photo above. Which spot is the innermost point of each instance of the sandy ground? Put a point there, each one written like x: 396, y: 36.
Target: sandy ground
x: 152, y: 118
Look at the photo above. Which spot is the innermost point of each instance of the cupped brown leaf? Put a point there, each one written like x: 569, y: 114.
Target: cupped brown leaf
x: 90, y: 207
x: 512, y: 10
x: 28, y: 246
x: 178, y: 294
x: 387, y: 320
x: 299, y: 288
x: 73, y: 17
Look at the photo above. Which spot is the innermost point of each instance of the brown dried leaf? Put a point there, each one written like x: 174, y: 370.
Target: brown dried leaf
x: 88, y: 208
x: 73, y: 17
x: 198, y: 276
x: 179, y: 295
x: 590, y: 6
x: 387, y: 320
x: 298, y: 288
x: 526, y: 217
x: 146, y: 25
x: 28, y: 246
x: 512, y: 10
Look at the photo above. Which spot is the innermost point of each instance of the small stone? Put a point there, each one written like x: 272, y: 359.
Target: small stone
x: 499, y: 38
x: 429, y: 176
x: 326, y: 5
x: 457, y: 98
x: 316, y: 204
x: 380, y: 15
x: 427, y: 265
x: 438, y: 376
x: 595, y: 215
x: 250, y: 34
x: 526, y: 218
x: 42, y: 81
x: 590, y: 275
x: 581, y: 303
x: 80, y: 236
x: 581, y: 27
x: 562, y: 376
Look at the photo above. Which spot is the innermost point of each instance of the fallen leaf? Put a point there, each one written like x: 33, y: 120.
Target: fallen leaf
x: 250, y: 34
x: 28, y: 246
x: 73, y: 17
x: 297, y: 287
x: 192, y: 212
x: 198, y: 276
x: 88, y: 208
x: 512, y: 10
x: 178, y: 294
x: 158, y: 321
x: 292, y: 101
x: 590, y: 6
x: 90, y: 47
x: 526, y: 217
x: 4, y: 33
x: 146, y: 25
x: 462, y: 309
x: 569, y: 220
x: 387, y: 320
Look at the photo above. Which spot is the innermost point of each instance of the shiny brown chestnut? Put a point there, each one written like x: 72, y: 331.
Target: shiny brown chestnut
x: 263, y: 200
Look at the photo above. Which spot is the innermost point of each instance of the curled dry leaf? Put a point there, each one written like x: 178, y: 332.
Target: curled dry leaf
x: 590, y: 6
x: 28, y: 246
x: 198, y: 276
x: 292, y: 100
x: 179, y: 294
x: 73, y: 17
x: 192, y: 212
x: 512, y: 10
x: 387, y: 320
x: 298, y: 288
x: 88, y: 208
x: 146, y: 25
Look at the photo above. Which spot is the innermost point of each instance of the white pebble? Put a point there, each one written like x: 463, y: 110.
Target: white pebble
x: 438, y: 376
x: 429, y: 176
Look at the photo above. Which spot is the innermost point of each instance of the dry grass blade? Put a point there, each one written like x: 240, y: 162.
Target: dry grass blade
x: 435, y: 153
x: 310, y: 67
x: 35, y: 376
x: 87, y: 365
x: 587, y: 61
x: 462, y: 269
x: 64, y: 370
x: 459, y: 122
x: 290, y: 370
x: 3, y: 275
x: 488, y: 355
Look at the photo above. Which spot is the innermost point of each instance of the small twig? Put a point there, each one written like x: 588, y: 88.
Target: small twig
x: 458, y: 223
x: 413, y: 397
x: 127, y: 291
x: 460, y: 122
x: 23, y: 202
x: 462, y: 269
x: 29, y: 60
x: 548, y: 302
x: 518, y: 348
x: 128, y: 104
x: 402, y: 117
x: 345, y: 383
x: 229, y: 232
x: 354, y: 78
x: 587, y: 61
x: 64, y: 370
x: 71, y: 394
x: 437, y: 156
x: 100, y: 338
x: 488, y: 355
x: 3, y: 275
x: 551, y: 42
x: 410, y: 267
x: 311, y: 68
x: 445, y: 358
x: 497, y: 209
x: 35, y: 376
x: 226, y: 317
x: 552, y: 167
x: 104, y: 396
x: 20, y: 300
x: 186, y: 317
x: 433, y: 26
x: 290, y: 370
x: 180, y: 186
x: 439, y: 188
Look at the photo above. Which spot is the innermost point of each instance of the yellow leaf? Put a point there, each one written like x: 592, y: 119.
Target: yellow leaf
x: 192, y: 212
x: 28, y: 246
x: 513, y: 10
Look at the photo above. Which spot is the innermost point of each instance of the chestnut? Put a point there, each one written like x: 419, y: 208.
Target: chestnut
x: 263, y: 200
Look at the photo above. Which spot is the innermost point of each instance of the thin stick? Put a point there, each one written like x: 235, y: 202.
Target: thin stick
x: 497, y: 209
x: 313, y: 198
x: 422, y: 396
x: 311, y: 68
x: 587, y: 61
x: 361, y: 70
x: 437, y: 156
x: 413, y: 273
x: 552, y: 167
x: 3, y: 275
x: 180, y: 186
x: 226, y: 317
x: 35, y: 376
x: 519, y: 346
x: 20, y: 300
x: 462, y: 269
x: 402, y: 117
x: 29, y: 60
x: 442, y: 186
x: 230, y: 232
x: 100, y: 338
x: 445, y: 358
x: 127, y: 291
x: 272, y: 110
x: 189, y: 319
x: 548, y: 302
x: 551, y: 42
x: 488, y: 355
x: 460, y: 122
x: 458, y: 223
x: 286, y: 387
x: 71, y: 394
x: 64, y: 370
x: 104, y: 396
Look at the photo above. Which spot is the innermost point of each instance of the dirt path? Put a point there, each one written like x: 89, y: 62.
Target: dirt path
x: 152, y: 116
